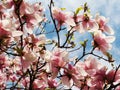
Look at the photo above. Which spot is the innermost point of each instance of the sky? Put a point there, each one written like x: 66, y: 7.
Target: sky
x: 107, y: 8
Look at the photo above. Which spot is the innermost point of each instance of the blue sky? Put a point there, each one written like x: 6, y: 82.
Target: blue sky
x: 107, y: 8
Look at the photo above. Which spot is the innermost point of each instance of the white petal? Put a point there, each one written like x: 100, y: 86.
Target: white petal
x: 17, y: 33
x: 110, y: 39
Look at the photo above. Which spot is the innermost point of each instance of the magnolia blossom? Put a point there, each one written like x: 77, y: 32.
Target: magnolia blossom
x: 47, y: 56
x: 1, y: 10
x: 25, y: 82
x: 96, y: 75
x: 58, y: 60
x: 88, y: 23
x: 13, y: 77
x: 7, y: 28
x: 62, y: 17
x: 35, y: 41
x: 39, y: 84
x: 52, y: 83
x: 44, y: 81
x: 84, y: 22
x: 102, y: 22
x: 61, y: 53
x: 15, y: 65
x: 3, y: 79
x: 102, y: 42
x: 8, y: 3
x: 98, y: 80
x: 117, y: 88
x: 4, y: 36
x: 28, y: 58
x: 90, y: 65
x: 36, y: 44
x: 31, y: 14
x: 7, y: 33
x: 69, y: 76
x: 56, y: 64
x: 2, y: 61
x: 113, y: 77
x: 92, y: 71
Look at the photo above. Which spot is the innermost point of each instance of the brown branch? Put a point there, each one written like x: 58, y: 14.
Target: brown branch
x: 57, y: 31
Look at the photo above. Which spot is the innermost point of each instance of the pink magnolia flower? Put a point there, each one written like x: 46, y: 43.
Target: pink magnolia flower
x: 15, y: 64
x: 102, y: 22
x: 86, y: 23
x: 5, y: 36
x: 91, y: 65
x: 102, y: 42
x: 3, y: 80
x: 13, y: 77
x: 58, y: 52
x: 39, y: 84
x: 62, y: 17
x: 47, y: 56
x: 56, y: 64
x: 25, y: 82
x: 7, y: 32
x: 28, y: 57
x: 1, y: 10
x: 3, y: 32
x: 31, y: 14
x: 112, y: 77
x: 117, y: 88
x: 8, y: 3
x: 98, y: 80
x: 42, y: 82
x: 52, y: 83
x: 93, y: 72
x: 2, y: 61
x: 98, y: 86
x: 69, y: 76
x: 58, y: 60
x: 35, y: 41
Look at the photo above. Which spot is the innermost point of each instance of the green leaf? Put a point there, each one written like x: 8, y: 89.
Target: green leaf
x: 73, y: 38
x: 78, y: 10
x: 85, y: 5
x: 63, y: 9
x: 83, y: 43
x: 86, y: 8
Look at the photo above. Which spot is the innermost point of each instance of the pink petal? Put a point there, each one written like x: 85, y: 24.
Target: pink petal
x: 65, y: 80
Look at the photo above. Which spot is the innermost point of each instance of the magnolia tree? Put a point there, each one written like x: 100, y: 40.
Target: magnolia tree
x: 31, y: 58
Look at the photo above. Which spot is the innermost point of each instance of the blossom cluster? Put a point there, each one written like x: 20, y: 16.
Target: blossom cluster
x: 27, y: 62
